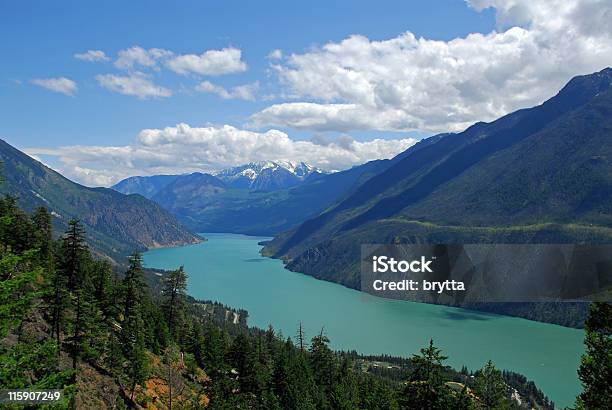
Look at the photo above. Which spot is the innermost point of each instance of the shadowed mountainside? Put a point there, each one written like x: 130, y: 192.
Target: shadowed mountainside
x: 116, y: 224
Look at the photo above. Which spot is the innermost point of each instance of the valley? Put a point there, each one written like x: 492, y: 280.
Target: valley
x: 229, y: 268
x: 535, y: 176
x: 258, y: 199
x: 346, y: 205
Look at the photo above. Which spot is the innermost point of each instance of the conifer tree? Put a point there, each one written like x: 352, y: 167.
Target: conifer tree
x: 595, y: 370
x: 44, y: 232
x: 301, y: 338
x: 214, y: 351
x: 174, y: 290
x: 73, y: 250
x: 322, y: 362
x: 73, y: 268
x: 490, y: 387
x: 345, y: 394
x: 58, y: 304
x: 425, y: 388
x: 104, y: 289
x: 243, y: 358
x: 292, y: 378
x: 16, y: 232
x: 281, y: 378
x: 132, y: 332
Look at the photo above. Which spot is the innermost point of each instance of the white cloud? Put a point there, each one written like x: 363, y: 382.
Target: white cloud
x: 136, y: 84
x: 276, y: 54
x: 333, y: 117
x: 61, y: 85
x: 409, y: 83
x: 580, y: 17
x: 139, y: 61
x: 211, y: 62
x: 242, y: 92
x: 137, y: 56
x: 92, y: 56
x: 183, y: 148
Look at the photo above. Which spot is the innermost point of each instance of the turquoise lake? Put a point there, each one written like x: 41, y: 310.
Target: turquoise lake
x: 228, y: 268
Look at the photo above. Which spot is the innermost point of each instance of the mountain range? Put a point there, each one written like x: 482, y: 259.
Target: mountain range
x: 262, y: 198
x: 268, y: 175
x: 145, y: 186
x: 537, y: 175
x: 260, y: 176
x: 116, y: 224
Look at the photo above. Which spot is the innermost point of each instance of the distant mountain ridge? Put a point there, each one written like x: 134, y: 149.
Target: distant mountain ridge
x: 267, y: 175
x: 145, y: 186
x: 255, y: 176
x: 260, y: 198
x: 187, y: 190
x: 116, y: 224
x: 205, y: 203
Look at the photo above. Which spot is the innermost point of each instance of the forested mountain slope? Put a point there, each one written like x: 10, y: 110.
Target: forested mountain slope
x: 117, y: 224
x: 538, y: 175
x: 136, y: 340
x: 145, y: 186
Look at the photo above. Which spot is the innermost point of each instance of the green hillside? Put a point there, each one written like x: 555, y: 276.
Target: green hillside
x: 539, y: 175
x: 135, y: 339
x: 117, y: 224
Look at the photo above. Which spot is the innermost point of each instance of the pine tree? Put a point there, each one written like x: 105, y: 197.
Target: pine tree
x: 114, y: 357
x: 44, y: 233
x: 425, y: 388
x: 94, y: 322
x: 104, y: 291
x: 491, y: 387
x: 58, y: 303
x: 281, y: 378
x: 73, y: 251
x: 303, y: 385
x: 595, y: 370
x: 17, y: 232
x: 292, y: 379
x: 73, y: 268
x: 174, y: 290
x: 301, y: 338
x: 214, y: 351
x: 322, y: 362
x: 132, y: 332
x: 243, y: 358
x: 134, y: 352
x: 346, y: 393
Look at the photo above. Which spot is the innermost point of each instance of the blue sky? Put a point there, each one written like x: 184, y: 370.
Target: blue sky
x: 411, y: 69
x: 41, y: 38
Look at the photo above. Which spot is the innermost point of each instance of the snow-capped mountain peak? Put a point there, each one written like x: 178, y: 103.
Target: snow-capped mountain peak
x: 267, y: 175
x: 249, y: 173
